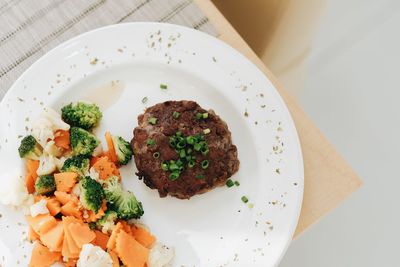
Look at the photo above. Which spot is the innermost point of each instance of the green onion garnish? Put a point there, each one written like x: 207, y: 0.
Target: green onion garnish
x: 144, y: 100
x: 151, y: 142
x: 204, y: 164
x: 191, y: 139
x: 182, y: 153
x: 229, y: 183
x: 163, y: 86
x: 189, y: 151
x: 197, y: 146
x: 176, y: 114
x: 244, y: 199
x: 152, y: 120
x: 178, y: 133
x: 199, y: 116
x: 156, y: 155
x: 174, y: 175
x: 204, y: 150
x: 199, y: 176
x: 205, y: 115
x: 173, y: 167
x: 206, y: 131
x: 164, y: 166
x: 181, y: 144
x: 191, y: 163
x: 237, y: 183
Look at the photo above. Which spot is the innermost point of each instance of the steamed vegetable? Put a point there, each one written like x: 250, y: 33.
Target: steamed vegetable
x: 123, y: 150
x: 107, y: 222
x: 77, y: 164
x: 123, y: 202
x: 83, y: 142
x: 30, y: 148
x: 83, y: 115
x: 45, y: 185
x: 92, y: 194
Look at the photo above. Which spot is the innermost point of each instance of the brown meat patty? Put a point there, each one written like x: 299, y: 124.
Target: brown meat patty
x: 164, y: 130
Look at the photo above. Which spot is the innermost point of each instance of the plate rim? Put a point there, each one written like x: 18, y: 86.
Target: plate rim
x: 235, y: 53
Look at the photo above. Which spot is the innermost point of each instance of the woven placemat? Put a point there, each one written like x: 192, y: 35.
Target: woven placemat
x: 28, y: 29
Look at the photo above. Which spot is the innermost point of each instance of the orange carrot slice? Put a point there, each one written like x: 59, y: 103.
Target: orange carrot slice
x: 130, y: 251
x: 54, y: 237
x: 65, y: 181
x: 42, y: 256
x: 53, y: 205
x: 71, y: 209
x: 42, y: 223
x: 106, y: 168
x: 61, y: 139
x: 32, y: 235
x: 113, y: 236
x: 111, y: 149
x: 81, y: 234
x: 143, y: 236
x: 114, y: 258
x: 101, y: 239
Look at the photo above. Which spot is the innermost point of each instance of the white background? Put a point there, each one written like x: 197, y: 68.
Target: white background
x: 352, y: 93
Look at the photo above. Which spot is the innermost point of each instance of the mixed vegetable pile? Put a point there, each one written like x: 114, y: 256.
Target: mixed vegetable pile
x: 81, y: 214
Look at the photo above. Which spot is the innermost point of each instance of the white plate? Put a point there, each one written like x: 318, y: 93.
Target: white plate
x: 117, y: 67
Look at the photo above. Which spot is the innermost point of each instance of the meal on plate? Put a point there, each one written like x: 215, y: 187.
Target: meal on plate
x: 79, y: 212
x: 182, y: 149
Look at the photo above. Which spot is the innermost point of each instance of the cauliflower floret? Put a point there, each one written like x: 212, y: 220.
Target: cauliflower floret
x: 42, y: 131
x: 76, y: 190
x: 44, y: 127
x: 55, y: 119
x: 14, y: 193
x: 60, y: 162
x: 94, y: 256
x: 39, y: 208
x: 47, y: 164
x: 92, y: 173
x: 51, y: 149
x: 160, y: 256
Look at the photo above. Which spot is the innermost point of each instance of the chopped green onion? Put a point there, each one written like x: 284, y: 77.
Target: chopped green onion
x: 164, y: 166
x: 173, y: 167
x: 206, y: 131
x: 176, y: 114
x: 172, y: 141
x: 199, y: 176
x: 178, y: 133
x: 229, y: 183
x: 189, y: 151
x: 152, y: 120
x: 191, y: 139
x: 197, y: 146
x: 205, y: 115
x: 144, y: 100
x: 163, y: 86
x: 191, y: 163
x: 181, y: 144
x: 199, y: 116
x: 156, y: 155
x: 204, y: 150
x: 244, y: 199
x: 174, y: 175
x: 237, y: 183
x: 151, y: 142
x: 204, y: 164
x: 182, y: 153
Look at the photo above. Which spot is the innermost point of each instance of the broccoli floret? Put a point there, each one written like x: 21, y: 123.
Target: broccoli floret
x: 123, y: 150
x: 83, y: 142
x: 77, y: 164
x: 45, y: 185
x: 107, y: 222
x: 92, y: 194
x: 123, y: 202
x: 30, y: 148
x: 83, y: 115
